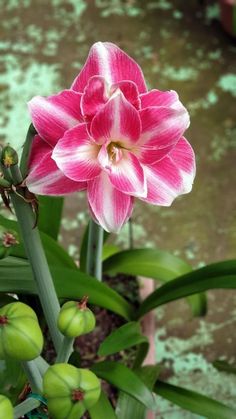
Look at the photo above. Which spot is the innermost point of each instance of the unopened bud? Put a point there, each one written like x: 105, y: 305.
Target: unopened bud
x: 9, y: 156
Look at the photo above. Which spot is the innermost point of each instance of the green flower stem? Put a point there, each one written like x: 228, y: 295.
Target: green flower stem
x: 41, y: 364
x: 34, y: 376
x: 94, y: 250
x: 25, y: 407
x: 38, y: 261
x: 66, y: 350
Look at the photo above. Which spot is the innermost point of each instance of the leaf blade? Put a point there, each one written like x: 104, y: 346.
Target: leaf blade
x: 214, y: 276
x: 126, y: 380
x: 194, y: 402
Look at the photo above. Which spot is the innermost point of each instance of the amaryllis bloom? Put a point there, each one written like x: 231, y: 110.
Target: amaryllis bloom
x: 110, y: 136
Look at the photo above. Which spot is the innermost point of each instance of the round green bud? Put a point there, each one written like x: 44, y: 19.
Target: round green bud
x: 9, y: 156
x: 6, y: 409
x: 20, y: 334
x: 70, y: 391
x: 76, y: 319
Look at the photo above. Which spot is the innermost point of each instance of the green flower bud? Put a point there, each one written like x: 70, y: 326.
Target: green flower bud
x: 70, y: 391
x: 9, y: 156
x: 20, y: 335
x: 6, y: 409
x: 76, y: 319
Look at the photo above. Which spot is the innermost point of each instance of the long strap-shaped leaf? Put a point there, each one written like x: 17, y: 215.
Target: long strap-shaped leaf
x: 156, y: 264
x: 217, y: 275
x: 194, y: 402
x: 125, y: 380
x: 125, y: 337
x: 70, y: 283
x: 129, y: 408
x: 102, y: 409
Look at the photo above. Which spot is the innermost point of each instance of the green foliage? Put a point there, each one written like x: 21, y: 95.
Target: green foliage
x: 125, y: 337
x: 217, y: 275
x: 102, y: 409
x: 194, y: 402
x: 155, y: 264
x: 125, y: 380
x: 16, y: 276
x: 130, y: 408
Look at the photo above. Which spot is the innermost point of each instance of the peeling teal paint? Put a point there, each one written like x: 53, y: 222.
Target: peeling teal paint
x: 227, y: 83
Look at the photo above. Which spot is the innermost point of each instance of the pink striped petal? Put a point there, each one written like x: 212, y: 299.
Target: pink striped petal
x: 76, y: 155
x: 125, y: 173
x: 162, y: 127
x: 129, y: 90
x: 107, y: 60
x: 156, y: 97
x: 46, y: 179
x: 53, y: 115
x: 172, y: 176
x: 98, y: 92
x: 151, y: 155
x: 184, y: 158
x: 38, y: 150
x: 109, y: 207
x: 118, y: 120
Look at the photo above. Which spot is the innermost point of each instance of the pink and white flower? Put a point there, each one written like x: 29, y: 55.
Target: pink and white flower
x: 110, y: 136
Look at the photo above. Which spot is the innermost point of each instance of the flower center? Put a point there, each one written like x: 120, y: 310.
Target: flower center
x: 77, y: 395
x: 3, y: 320
x: 114, y: 151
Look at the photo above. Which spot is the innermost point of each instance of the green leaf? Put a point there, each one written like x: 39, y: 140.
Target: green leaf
x: 129, y: 408
x: 218, y: 275
x: 102, y: 409
x: 155, y: 264
x: 50, y: 213
x: 151, y: 263
x: 224, y: 366
x: 26, y: 150
x: 194, y: 402
x: 125, y: 380
x: 69, y: 283
x: 12, y: 379
x: 55, y: 254
x: 109, y: 250
x: 125, y: 337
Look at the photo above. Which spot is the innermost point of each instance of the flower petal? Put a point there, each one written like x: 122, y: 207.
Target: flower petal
x: 184, y: 158
x: 129, y: 90
x: 109, y: 207
x: 98, y: 92
x: 38, y: 150
x: 162, y: 126
x: 172, y: 176
x: 156, y: 97
x: 118, y: 120
x: 53, y: 115
x: 45, y: 178
x: 76, y: 155
x: 107, y: 60
x: 126, y: 174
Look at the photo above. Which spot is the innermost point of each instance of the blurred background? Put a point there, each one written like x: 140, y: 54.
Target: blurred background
x: 182, y: 46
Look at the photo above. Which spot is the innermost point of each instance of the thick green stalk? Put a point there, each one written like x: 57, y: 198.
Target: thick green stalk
x: 25, y: 407
x: 38, y: 261
x: 34, y: 376
x: 66, y: 350
x: 94, y: 250
x: 41, y: 364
